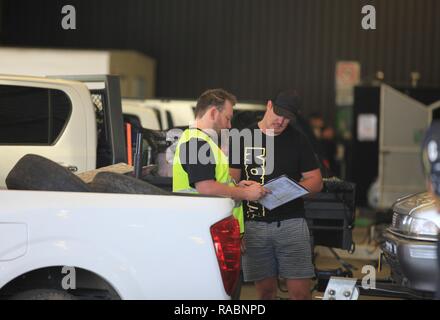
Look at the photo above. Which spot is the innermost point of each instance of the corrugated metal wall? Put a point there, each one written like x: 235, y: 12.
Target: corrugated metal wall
x: 251, y: 47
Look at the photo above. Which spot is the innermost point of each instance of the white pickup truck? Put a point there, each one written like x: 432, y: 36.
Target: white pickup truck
x: 108, y: 246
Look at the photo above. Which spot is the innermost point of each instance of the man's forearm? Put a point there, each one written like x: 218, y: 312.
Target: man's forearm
x: 214, y: 188
x: 313, y: 185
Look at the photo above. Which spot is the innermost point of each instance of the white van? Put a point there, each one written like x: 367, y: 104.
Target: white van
x: 179, y: 113
x: 149, y: 118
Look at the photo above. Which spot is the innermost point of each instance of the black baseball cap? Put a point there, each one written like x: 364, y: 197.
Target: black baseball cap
x: 431, y: 156
x: 287, y: 104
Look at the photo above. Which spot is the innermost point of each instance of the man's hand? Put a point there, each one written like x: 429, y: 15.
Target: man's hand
x: 246, y: 183
x: 254, y: 192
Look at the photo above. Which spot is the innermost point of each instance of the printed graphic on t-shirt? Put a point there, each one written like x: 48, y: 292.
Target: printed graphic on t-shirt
x: 255, y: 169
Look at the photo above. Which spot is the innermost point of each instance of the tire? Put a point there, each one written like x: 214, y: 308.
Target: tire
x: 33, y: 172
x: 43, y: 294
x: 110, y: 182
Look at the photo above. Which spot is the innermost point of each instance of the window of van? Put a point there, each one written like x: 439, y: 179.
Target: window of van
x: 32, y: 116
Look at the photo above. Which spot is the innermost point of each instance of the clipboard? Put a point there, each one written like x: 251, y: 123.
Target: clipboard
x: 283, y: 190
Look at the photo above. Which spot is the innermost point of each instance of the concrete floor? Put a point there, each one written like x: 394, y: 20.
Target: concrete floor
x: 325, y: 262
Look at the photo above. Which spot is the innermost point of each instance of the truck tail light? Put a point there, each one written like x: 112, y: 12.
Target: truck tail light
x: 226, y: 237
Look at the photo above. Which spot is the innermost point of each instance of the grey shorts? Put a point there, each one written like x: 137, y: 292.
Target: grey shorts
x: 277, y: 249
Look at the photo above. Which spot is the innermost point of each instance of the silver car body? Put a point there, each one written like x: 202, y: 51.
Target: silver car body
x: 412, y: 255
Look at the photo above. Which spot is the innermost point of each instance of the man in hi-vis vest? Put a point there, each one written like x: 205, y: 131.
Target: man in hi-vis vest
x: 200, y: 165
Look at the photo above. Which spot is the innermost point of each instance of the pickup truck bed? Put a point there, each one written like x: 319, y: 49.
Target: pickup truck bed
x: 141, y: 247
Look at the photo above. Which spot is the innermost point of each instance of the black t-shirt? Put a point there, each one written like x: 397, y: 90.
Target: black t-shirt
x: 290, y: 155
x: 197, y: 160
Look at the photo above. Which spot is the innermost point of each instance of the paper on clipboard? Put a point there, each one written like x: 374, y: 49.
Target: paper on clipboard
x: 283, y: 190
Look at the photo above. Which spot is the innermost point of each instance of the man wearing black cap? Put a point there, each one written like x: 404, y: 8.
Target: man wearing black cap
x: 431, y: 166
x: 277, y: 241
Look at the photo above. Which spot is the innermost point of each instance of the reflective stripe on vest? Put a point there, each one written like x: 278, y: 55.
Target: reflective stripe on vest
x: 180, y: 176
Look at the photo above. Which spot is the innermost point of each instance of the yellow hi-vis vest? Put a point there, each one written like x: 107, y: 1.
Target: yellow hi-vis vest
x: 180, y: 176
